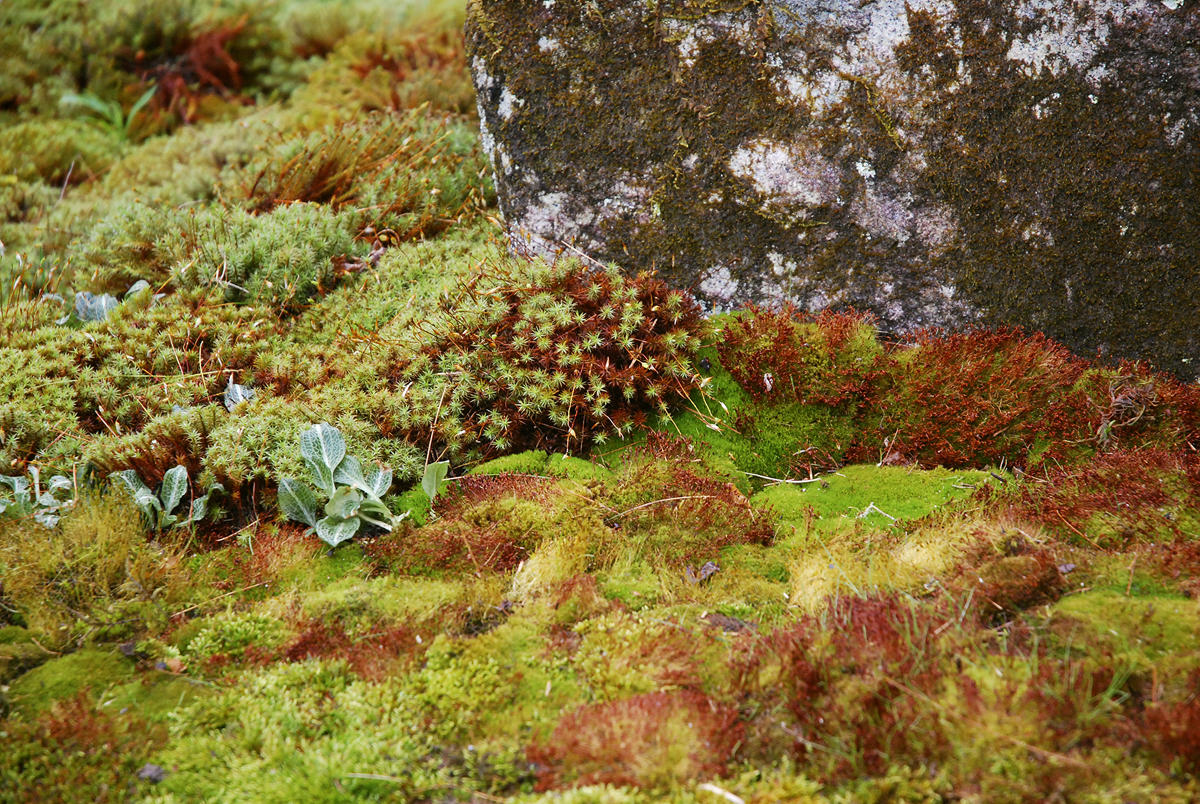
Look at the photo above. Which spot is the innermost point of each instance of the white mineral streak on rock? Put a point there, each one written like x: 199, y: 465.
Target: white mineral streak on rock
x: 546, y: 217
x: 1069, y: 32
x: 883, y: 215
x: 507, y: 101
x: 937, y: 227
x: 484, y: 81
x: 548, y: 45
x: 720, y: 284
x: 780, y: 265
x: 707, y: 30
x: 788, y: 174
x: 689, y: 48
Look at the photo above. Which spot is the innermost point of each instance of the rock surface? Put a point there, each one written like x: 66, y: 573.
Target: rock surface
x: 938, y: 162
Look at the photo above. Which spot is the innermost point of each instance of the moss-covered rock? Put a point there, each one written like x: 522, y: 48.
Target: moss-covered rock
x: 19, y: 655
x: 90, y: 669
x: 939, y: 163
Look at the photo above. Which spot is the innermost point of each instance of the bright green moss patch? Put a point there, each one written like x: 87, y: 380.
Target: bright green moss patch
x: 92, y: 670
x: 873, y: 496
x: 1145, y: 631
x: 15, y: 635
x: 153, y: 696
x: 18, y: 657
x: 384, y: 599
x: 530, y: 462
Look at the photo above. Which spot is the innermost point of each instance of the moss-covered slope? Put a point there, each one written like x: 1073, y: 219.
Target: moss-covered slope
x: 612, y: 550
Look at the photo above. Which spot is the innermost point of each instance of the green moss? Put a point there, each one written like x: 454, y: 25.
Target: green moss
x: 15, y: 635
x: 49, y: 149
x: 1145, y: 632
x: 530, y: 462
x: 325, y: 567
x: 577, y: 469
x: 90, y: 669
x: 19, y: 655
x: 231, y: 634
x: 247, y: 739
x: 385, y: 599
x: 36, y: 407
x: 95, y: 575
x: 843, y: 498
x: 633, y: 583
x: 537, y: 462
x: 625, y: 655
x: 154, y: 696
x: 753, y: 438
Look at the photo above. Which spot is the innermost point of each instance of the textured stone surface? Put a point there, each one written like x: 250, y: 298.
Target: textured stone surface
x: 939, y: 162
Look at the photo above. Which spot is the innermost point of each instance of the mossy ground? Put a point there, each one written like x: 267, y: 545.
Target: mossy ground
x: 951, y: 569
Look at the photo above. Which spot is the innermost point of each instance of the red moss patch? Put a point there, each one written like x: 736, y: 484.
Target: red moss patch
x: 650, y: 740
x: 846, y: 695
x: 1117, y: 498
x: 74, y: 753
x: 374, y: 655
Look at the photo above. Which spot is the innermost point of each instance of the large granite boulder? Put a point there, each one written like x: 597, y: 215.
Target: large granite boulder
x: 938, y: 162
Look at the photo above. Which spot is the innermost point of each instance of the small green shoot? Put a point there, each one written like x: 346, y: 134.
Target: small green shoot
x: 435, y: 473
x: 111, y: 116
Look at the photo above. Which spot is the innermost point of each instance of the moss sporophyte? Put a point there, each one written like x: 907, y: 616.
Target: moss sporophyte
x: 952, y: 566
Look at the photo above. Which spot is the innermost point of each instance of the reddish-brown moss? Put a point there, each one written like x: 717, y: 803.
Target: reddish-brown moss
x: 652, y: 740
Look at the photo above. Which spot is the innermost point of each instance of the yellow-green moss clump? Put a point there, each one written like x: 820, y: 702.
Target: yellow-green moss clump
x: 766, y: 556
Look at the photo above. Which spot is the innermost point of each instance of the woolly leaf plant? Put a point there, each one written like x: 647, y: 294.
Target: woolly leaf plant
x: 354, y: 497
x: 159, y: 509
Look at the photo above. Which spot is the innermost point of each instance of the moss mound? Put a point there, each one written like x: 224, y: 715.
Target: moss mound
x: 766, y: 555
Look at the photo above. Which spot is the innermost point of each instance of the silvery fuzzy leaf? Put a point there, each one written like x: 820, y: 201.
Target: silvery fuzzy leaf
x: 297, y: 502
x: 323, y: 449
x: 344, y: 503
x: 46, y: 500
x: 435, y: 473
x: 19, y: 485
x: 375, y: 512
x: 146, y: 500
x: 46, y: 519
x: 323, y: 442
x: 200, y: 504
x: 174, y: 486
x: 137, y: 288
x: 59, y: 482
x: 199, y: 510
x: 143, y: 497
x: 89, y: 307
x: 379, y: 480
x: 4, y: 505
x: 349, y: 473
x: 132, y: 481
x: 54, y: 297
x: 335, y: 531
x: 236, y: 394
